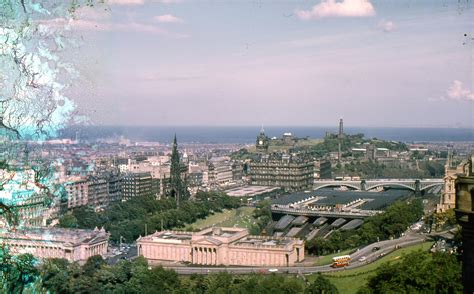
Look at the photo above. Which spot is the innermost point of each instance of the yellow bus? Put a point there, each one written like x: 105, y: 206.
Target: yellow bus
x: 341, y: 261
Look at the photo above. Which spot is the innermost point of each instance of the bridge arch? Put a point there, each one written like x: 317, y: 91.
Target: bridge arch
x: 390, y: 185
x: 337, y: 185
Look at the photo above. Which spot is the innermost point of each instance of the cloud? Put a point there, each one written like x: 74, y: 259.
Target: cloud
x: 331, y: 8
x: 168, y: 18
x: 386, y: 26
x: 457, y: 92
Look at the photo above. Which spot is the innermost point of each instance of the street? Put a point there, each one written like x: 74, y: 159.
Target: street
x: 385, y: 248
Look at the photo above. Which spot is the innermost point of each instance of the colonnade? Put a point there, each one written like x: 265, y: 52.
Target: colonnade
x: 98, y: 249
x: 204, y: 255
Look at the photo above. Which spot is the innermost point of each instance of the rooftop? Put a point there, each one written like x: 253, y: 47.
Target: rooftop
x: 61, y: 235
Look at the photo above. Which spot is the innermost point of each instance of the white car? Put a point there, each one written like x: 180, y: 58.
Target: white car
x: 272, y: 270
x: 363, y: 258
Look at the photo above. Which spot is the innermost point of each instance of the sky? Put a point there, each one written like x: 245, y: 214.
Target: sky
x: 309, y: 62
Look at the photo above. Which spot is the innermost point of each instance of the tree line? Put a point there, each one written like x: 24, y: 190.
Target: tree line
x: 390, y: 223
x: 417, y: 272
x: 96, y: 276
x: 128, y: 219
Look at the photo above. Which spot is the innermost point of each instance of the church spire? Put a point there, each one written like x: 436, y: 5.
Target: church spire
x: 178, y: 188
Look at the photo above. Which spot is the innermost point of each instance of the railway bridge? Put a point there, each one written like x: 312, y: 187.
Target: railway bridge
x: 416, y: 185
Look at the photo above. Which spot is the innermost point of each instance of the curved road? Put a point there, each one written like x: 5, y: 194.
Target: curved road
x: 385, y: 248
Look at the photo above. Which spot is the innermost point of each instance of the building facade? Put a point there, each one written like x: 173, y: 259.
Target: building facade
x: 325, y: 169
x: 71, y: 244
x: 98, y: 192
x: 136, y: 185
x: 221, y: 246
x: 292, y: 174
x: 465, y: 217
x: 448, y: 198
x: 77, y: 193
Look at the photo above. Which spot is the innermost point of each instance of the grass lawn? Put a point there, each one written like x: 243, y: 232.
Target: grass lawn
x: 349, y: 281
x: 240, y: 217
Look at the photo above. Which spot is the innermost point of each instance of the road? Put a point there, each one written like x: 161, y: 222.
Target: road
x: 129, y: 254
x: 385, y: 248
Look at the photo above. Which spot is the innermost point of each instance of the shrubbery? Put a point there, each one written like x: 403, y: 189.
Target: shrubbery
x: 391, y: 223
x: 128, y: 219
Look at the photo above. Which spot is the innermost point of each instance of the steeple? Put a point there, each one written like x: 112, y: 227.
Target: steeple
x: 178, y: 188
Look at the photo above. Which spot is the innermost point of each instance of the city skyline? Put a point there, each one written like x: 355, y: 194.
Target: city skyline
x: 381, y: 64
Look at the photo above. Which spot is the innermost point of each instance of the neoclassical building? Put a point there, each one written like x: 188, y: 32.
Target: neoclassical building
x: 221, y: 246
x: 448, y: 198
x: 71, y: 244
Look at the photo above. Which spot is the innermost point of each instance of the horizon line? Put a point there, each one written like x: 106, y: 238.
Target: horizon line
x: 270, y: 126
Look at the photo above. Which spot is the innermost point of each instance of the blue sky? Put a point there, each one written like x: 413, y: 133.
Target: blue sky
x: 375, y: 63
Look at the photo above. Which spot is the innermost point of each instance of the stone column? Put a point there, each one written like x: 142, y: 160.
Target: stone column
x: 200, y: 255
x: 204, y: 257
x: 196, y: 255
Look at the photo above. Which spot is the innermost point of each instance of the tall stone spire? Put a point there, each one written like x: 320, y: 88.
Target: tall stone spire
x: 177, y: 186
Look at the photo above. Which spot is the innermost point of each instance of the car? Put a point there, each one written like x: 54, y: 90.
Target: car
x: 376, y: 248
x: 272, y: 270
x: 363, y: 258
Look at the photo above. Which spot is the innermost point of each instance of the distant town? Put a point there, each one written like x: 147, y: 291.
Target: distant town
x: 100, y: 173
x: 278, y: 203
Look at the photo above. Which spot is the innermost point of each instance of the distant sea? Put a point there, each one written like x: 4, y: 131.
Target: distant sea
x: 244, y: 135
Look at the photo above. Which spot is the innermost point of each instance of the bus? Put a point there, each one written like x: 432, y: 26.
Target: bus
x: 341, y: 261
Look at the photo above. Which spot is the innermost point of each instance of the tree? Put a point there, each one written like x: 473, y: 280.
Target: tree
x: 321, y: 285
x: 92, y: 265
x: 262, y: 215
x: 219, y: 283
x: 17, y: 272
x: 55, y: 275
x: 68, y: 221
x: 418, y: 272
